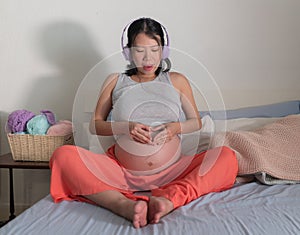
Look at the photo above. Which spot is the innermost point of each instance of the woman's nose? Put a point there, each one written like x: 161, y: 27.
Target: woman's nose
x: 147, y: 54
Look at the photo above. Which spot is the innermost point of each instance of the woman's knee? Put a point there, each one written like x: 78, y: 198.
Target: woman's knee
x: 218, y: 159
x: 64, y: 155
x: 228, y: 159
x: 227, y: 152
x: 222, y: 152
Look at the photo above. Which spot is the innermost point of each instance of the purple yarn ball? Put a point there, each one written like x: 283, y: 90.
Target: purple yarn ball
x: 18, y: 119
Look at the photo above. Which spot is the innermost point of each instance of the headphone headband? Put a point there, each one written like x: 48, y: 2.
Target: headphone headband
x: 126, y: 50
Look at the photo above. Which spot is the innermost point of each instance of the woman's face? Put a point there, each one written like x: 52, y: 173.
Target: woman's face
x: 146, y: 54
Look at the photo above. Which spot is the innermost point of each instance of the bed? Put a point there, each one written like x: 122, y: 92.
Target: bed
x: 255, y: 205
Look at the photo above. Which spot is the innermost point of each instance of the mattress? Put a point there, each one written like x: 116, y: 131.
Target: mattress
x: 247, y: 208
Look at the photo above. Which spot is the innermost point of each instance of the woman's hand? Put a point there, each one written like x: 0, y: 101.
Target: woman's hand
x: 164, y: 133
x: 140, y: 132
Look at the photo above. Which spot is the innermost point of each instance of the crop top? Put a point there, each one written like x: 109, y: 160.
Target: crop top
x: 151, y: 103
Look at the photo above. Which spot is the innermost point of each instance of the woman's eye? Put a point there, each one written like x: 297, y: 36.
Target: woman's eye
x: 139, y: 50
x: 155, y: 49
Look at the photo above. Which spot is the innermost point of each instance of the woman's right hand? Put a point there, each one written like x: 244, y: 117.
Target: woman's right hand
x: 140, y: 132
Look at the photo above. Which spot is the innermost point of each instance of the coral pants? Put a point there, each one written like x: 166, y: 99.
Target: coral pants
x: 210, y: 171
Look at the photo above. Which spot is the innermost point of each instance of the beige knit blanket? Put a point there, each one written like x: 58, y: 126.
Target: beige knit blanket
x: 273, y: 148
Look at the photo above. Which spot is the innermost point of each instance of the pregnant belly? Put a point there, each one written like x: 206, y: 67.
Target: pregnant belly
x: 145, y: 159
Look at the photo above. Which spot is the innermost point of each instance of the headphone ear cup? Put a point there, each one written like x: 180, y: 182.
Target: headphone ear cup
x: 165, y: 52
x: 126, y: 53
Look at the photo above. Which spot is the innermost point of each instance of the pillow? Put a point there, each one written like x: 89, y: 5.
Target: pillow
x: 271, y: 110
x: 209, y: 127
x: 242, y: 124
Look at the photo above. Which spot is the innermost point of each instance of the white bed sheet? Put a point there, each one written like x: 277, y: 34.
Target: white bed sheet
x: 250, y: 208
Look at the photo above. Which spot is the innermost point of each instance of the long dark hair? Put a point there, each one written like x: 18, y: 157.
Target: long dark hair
x: 153, y: 29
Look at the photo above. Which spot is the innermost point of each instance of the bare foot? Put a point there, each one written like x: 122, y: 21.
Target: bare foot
x: 158, y: 207
x: 135, y: 211
x: 140, y: 214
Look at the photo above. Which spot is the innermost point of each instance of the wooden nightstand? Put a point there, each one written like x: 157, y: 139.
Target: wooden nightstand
x: 6, y: 161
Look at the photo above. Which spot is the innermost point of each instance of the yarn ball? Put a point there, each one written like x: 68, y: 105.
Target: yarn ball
x: 18, y: 119
x: 38, y: 125
x: 49, y: 115
x: 61, y: 128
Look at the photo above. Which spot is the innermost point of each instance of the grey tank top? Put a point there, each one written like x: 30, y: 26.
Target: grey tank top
x: 151, y: 103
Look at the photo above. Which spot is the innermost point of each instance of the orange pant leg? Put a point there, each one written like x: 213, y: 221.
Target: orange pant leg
x: 211, y: 171
x: 70, y: 177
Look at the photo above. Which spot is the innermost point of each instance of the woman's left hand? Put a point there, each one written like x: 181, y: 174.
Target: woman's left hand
x: 164, y: 133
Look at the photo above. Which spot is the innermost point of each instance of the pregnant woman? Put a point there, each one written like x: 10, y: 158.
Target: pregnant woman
x: 150, y: 109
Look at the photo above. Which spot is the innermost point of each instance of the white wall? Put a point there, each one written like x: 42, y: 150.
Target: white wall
x: 251, y: 48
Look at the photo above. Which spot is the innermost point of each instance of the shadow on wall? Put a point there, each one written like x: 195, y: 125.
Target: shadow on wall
x: 69, y: 48
x: 71, y: 53
x: 4, y: 147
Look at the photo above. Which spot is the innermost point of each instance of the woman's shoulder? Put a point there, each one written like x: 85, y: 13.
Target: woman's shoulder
x: 113, y: 77
x: 110, y: 81
x: 177, y: 76
x: 178, y: 79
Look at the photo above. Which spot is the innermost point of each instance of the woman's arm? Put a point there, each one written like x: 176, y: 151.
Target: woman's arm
x: 193, y: 119
x: 99, y: 124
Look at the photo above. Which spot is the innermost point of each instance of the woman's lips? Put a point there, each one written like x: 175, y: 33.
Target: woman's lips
x: 148, y: 67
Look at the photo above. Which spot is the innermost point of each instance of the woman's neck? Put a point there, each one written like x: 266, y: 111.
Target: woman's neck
x: 145, y: 77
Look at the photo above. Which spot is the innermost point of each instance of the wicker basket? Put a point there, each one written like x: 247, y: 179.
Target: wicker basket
x: 36, y: 147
